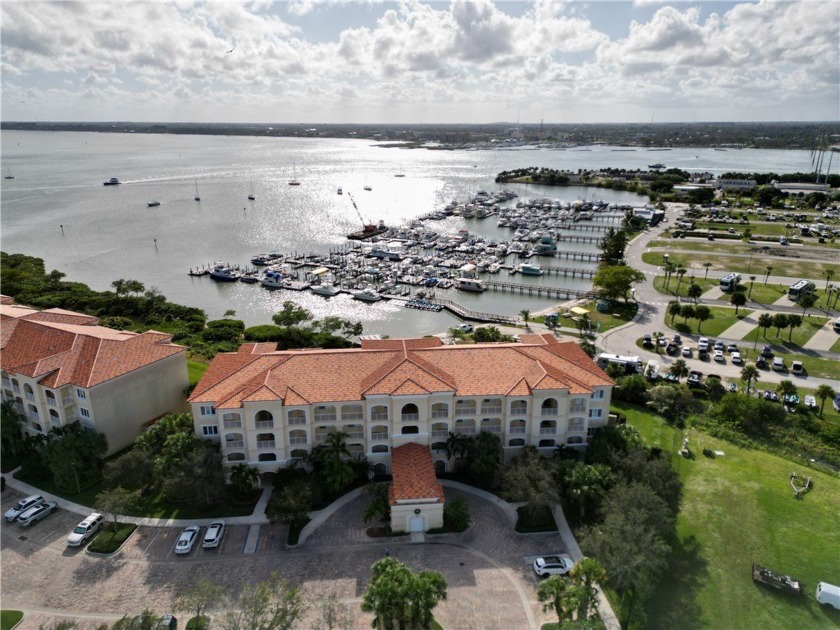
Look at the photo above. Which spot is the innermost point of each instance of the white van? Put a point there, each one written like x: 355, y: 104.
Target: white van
x: 828, y: 594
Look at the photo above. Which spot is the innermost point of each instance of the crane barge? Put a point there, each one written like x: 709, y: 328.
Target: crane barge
x: 369, y: 230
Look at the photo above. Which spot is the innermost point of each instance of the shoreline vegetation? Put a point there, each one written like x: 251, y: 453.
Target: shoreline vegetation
x: 630, y: 136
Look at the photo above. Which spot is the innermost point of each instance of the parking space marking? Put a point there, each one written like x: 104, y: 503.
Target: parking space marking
x: 154, y: 538
x: 52, y: 531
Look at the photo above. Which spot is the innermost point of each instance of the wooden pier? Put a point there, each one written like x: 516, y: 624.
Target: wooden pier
x: 537, y: 289
x: 578, y: 238
x: 568, y: 271
x: 464, y: 313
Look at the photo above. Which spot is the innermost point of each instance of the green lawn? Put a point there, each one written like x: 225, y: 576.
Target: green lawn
x: 764, y: 294
x: 721, y: 262
x: 196, y: 370
x: 9, y: 618
x: 763, y: 229
x: 108, y: 540
x: 674, y: 284
x: 625, y: 313
x: 738, y: 509
x: 836, y: 346
x: 799, y: 336
x: 722, y: 318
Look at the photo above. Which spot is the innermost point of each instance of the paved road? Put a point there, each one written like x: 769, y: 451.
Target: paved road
x: 487, y: 568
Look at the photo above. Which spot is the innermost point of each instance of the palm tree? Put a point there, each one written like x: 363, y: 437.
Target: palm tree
x: 679, y: 369
x: 457, y: 445
x: 243, y: 478
x: 829, y: 274
x: 738, y: 299
x: 588, y: 483
x: 399, y: 598
x: 674, y: 310
x: 702, y: 313
x: 786, y: 388
x: 752, y: 279
x: 656, y: 337
x: 765, y: 321
x: 680, y: 272
x: 807, y: 301
x: 824, y: 392
x: 587, y: 573
x: 748, y: 374
x: 767, y: 275
x: 668, y: 267
x: 706, y: 265
x: 794, y: 321
x: 329, y: 461
x: 526, y: 315
x: 557, y: 594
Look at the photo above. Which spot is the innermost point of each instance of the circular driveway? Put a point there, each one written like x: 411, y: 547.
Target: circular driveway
x: 487, y: 568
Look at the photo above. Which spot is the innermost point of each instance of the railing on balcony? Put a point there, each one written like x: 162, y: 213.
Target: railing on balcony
x: 489, y: 411
x: 30, y: 396
x: 264, y: 424
x: 378, y: 436
x: 467, y: 411
x: 233, y: 424
x: 51, y: 402
x: 67, y: 401
x: 356, y: 435
x: 493, y: 428
x: 575, y: 428
x: 518, y: 411
x: 518, y: 430
x: 577, y: 408
x: 266, y: 444
x: 410, y: 417
x: 234, y: 443
x: 16, y: 389
x: 356, y: 449
x: 379, y: 416
x: 548, y: 431
x: 325, y: 417
x: 352, y: 415
x: 297, y: 440
x: 19, y: 407
x: 464, y: 430
x: 440, y: 433
x: 296, y: 421
x: 56, y: 422
x: 440, y: 414
x: 550, y: 411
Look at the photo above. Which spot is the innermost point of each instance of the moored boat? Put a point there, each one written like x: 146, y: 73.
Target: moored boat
x: 470, y: 284
x: 530, y: 270
x: 152, y: 204
x: 112, y: 182
x: 368, y: 294
x: 274, y: 280
x: 224, y: 273
x: 327, y: 289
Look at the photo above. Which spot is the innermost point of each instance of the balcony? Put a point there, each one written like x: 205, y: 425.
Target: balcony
x: 379, y: 416
x: 264, y: 424
x: 518, y: 411
x: 464, y: 430
x: 325, y: 417
x: 440, y: 433
x: 18, y: 407
x: 549, y: 412
x: 493, y: 428
x: 16, y: 388
x: 355, y: 435
x: 410, y: 417
x: 548, y: 431
x: 576, y: 428
x: 518, y: 430
x: 463, y: 413
x: 576, y: 409
x: 491, y: 411
x: 234, y: 443
x: 296, y: 421
x: 51, y: 402
x: 56, y: 422
x: 30, y: 396
x: 266, y: 444
x: 296, y: 441
x: 67, y: 401
x: 234, y: 424
x: 356, y: 450
x: 378, y: 436
x: 351, y: 416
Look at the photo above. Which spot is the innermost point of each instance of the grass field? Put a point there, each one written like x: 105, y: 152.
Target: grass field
x: 799, y: 335
x: 721, y: 262
x: 196, y: 370
x: 625, y: 313
x: 9, y: 618
x: 722, y: 318
x: 836, y: 346
x: 674, y: 283
x: 738, y: 509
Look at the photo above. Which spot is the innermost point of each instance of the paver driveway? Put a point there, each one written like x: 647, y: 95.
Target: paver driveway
x: 491, y: 584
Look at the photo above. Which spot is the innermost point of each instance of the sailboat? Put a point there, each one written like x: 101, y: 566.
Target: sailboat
x: 399, y: 173
x: 251, y: 194
x: 294, y: 181
x: 367, y: 186
x: 10, y: 176
x: 197, y: 198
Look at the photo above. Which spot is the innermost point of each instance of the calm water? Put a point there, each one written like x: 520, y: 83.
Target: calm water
x: 110, y: 233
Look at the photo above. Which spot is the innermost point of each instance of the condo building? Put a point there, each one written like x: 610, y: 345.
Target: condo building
x: 268, y: 408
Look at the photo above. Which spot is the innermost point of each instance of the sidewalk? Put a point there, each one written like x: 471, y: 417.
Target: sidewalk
x: 258, y: 516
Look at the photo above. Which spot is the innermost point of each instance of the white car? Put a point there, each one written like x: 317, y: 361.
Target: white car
x: 719, y: 356
x: 810, y: 402
x: 186, y: 541
x: 560, y: 564
x: 23, y: 505
x: 85, y: 530
x: 214, y: 534
x: 36, y: 513
x: 703, y: 344
x: 735, y: 357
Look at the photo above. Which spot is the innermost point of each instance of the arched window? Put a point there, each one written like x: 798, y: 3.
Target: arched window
x: 518, y: 426
x: 267, y: 457
x: 516, y: 442
x: 27, y: 390
x: 550, y: 407
x: 299, y: 453
x: 379, y: 432
x: 50, y: 398
x: 265, y: 440
x: 54, y: 418
x: 440, y: 429
x: 325, y: 413
x: 548, y: 427
x: 575, y: 439
x: 236, y: 457
x: 491, y: 406
x: 379, y: 412
x: 410, y: 429
x: 297, y: 437
x: 380, y: 470
x: 410, y: 413
x: 379, y: 448
x: 297, y: 416
x: 234, y: 440
x: 232, y: 420
x: 264, y: 419
x: 546, y: 443
x: 519, y: 408
x: 350, y: 413
x: 439, y: 446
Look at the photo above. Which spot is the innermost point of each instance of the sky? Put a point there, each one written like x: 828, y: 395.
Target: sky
x: 412, y: 61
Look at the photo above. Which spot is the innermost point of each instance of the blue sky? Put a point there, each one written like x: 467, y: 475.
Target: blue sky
x: 411, y: 61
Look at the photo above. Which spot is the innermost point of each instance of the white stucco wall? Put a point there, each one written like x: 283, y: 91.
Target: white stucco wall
x: 401, y: 515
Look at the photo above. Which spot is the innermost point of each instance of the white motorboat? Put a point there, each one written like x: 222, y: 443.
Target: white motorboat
x: 368, y: 294
x: 274, y: 280
x: 470, y: 284
x: 224, y: 273
x: 112, y: 182
x: 327, y: 289
x: 530, y: 270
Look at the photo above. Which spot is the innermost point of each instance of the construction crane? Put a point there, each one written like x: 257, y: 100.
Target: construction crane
x: 361, y: 218
x: 369, y: 230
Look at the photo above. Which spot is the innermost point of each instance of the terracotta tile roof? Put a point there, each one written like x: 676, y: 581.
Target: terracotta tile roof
x: 413, y: 475
x: 397, y: 367
x: 60, y: 353
x: 6, y: 299
x: 11, y: 310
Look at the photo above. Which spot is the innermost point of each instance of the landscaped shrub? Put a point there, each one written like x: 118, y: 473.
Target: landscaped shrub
x: 456, y: 515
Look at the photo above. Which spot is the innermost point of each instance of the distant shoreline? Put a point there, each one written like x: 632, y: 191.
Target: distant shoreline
x: 631, y: 136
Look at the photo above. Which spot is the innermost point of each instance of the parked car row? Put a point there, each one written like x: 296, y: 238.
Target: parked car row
x: 29, y: 510
x: 212, y: 537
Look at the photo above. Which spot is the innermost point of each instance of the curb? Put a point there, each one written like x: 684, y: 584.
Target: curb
x: 114, y: 553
